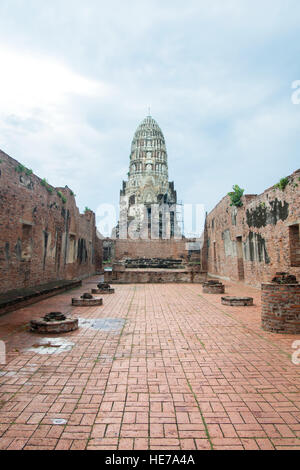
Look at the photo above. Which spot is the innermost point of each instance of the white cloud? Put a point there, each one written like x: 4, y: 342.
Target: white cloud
x: 29, y: 82
x: 76, y: 79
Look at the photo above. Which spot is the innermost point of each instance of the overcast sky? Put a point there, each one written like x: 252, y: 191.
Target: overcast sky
x: 77, y: 77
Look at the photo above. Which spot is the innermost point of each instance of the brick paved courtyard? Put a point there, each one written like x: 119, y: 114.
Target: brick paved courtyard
x: 165, y: 367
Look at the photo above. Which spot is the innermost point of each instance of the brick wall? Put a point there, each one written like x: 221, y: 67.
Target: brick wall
x: 253, y: 242
x: 42, y: 239
x: 172, y: 248
x: 281, y: 308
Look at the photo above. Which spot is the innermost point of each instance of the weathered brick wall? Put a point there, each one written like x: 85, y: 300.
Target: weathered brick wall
x: 41, y: 237
x: 172, y: 248
x: 253, y: 242
x: 281, y: 308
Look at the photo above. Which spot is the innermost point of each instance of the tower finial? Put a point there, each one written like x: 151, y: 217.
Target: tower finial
x: 149, y: 111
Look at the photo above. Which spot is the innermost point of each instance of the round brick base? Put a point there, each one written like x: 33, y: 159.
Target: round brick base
x: 103, y: 291
x: 213, y: 287
x: 42, y: 326
x: 237, y: 301
x: 281, y: 308
x: 87, y: 302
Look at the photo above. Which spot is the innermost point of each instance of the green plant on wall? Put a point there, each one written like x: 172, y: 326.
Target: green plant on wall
x: 46, y: 185
x: 282, y: 183
x: 87, y: 209
x: 236, y: 196
x: 62, y: 197
x: 20, y: 168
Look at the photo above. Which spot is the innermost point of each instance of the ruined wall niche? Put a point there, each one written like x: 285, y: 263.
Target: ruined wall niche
x: 26, y: 242
x: 82, y: 251
x: 71, y: 249
x: 229, y: 245
x: 255, y: 248
x: 45, y: 248
x: 294, y: 244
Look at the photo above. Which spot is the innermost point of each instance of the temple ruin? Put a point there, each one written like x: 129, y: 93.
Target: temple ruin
x: 47, y: 246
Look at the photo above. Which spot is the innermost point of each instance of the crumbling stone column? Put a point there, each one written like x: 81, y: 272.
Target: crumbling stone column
x: 281, y: 305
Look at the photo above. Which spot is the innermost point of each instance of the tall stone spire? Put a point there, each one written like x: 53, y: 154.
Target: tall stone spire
x: 148, y: 158
x: 148, y: 187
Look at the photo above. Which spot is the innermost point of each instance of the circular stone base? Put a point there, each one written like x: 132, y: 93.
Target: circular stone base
x: 237, y: 301
x: 87, y: 302
x: 42, y: 326
x: 280, y: 312
x: 103, y: 291
x: 213, y: 288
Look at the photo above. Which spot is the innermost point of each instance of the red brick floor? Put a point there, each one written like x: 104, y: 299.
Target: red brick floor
x: 183, y: 372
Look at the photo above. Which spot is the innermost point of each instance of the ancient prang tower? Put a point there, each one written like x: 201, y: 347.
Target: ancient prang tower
x: 148, y: 201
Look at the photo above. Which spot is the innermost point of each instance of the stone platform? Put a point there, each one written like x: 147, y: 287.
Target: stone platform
x: 153, y: 263
x: 103, y: 291
x: 86, y: 302
x: 237, y: 301
x: 154, y: 276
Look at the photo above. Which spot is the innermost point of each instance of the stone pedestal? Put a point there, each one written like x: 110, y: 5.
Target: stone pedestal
x: 87, y: 302
x: 103, y: 291
x: 59, y: 325
x: 281, y: 307
x: 237, y: 301
x: 213, y: 287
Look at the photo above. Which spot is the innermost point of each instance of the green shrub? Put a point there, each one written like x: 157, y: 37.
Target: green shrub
x: 46, y: 185
x: 62, y: 197
x: 87, y: 209
x: 236, y: 196
x: 20, y: 168
x: 282, y: 183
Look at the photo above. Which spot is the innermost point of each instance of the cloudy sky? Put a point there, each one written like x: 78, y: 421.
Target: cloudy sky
x: 77, y: 78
